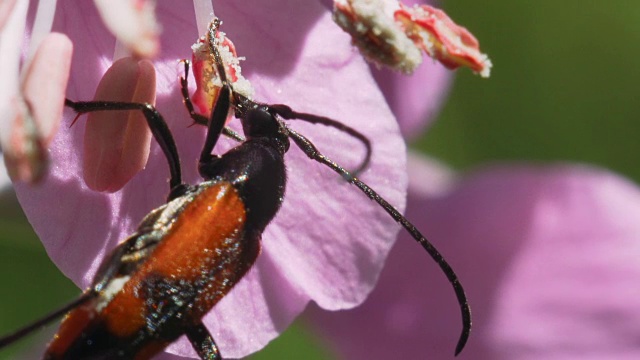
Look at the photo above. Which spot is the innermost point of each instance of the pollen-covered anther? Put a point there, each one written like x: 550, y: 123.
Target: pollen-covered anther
x: 208, y: 82
x: 442, y: 39
x: 374, y: 31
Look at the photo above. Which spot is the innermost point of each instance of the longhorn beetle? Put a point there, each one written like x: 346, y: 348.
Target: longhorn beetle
x: 189, y: 253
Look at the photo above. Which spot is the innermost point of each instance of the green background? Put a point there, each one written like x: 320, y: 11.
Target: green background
x: 564, y: 88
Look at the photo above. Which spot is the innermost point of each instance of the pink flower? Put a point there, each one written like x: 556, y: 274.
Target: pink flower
x: 325, y: 248
x: 548, y: 256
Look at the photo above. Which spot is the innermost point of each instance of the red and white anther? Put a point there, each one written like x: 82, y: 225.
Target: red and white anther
x: 392, y: 34
x: 442, y: 39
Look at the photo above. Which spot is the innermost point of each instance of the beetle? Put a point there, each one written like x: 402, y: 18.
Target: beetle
x: 189, y: 253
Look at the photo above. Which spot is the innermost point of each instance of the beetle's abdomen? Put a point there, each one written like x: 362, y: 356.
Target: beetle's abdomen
x: 203, y: 254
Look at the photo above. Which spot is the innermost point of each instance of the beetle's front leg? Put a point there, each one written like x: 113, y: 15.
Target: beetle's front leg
x: 156, y: 123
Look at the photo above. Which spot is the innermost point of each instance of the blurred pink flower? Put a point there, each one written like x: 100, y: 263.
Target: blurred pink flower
x: 329, y: 249
x: 548, y: 256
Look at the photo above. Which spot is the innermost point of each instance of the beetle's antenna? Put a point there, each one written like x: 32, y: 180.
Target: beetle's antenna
x: 6, y: 340
x: 312, y: 152
x: 287, y: 113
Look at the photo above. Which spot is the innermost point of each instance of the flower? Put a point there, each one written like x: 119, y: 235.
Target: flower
x: 547, y: 254
x: 304, y: 61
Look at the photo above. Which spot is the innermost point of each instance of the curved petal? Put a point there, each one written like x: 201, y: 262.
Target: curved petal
x: 415, y: 100
x: 548, y: 257
x: 326, y: 248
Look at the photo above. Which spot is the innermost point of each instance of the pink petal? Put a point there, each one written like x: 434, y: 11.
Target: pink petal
x: 415, y: 100
x: 574, y: 282
x: 116, y: 144
x: 329, y: 249
x: 548, y: 257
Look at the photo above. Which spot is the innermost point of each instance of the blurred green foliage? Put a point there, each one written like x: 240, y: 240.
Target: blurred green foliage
x: 563, y: 89
x: 31, y: 285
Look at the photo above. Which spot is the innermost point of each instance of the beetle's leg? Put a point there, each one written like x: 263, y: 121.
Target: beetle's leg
x: 203, y: 342
x: 312, y: 152
x: 287, y: 113
x: 156, y: 123
x: 186, y: 98
x: 216, y: 124
x: 196, y: 117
